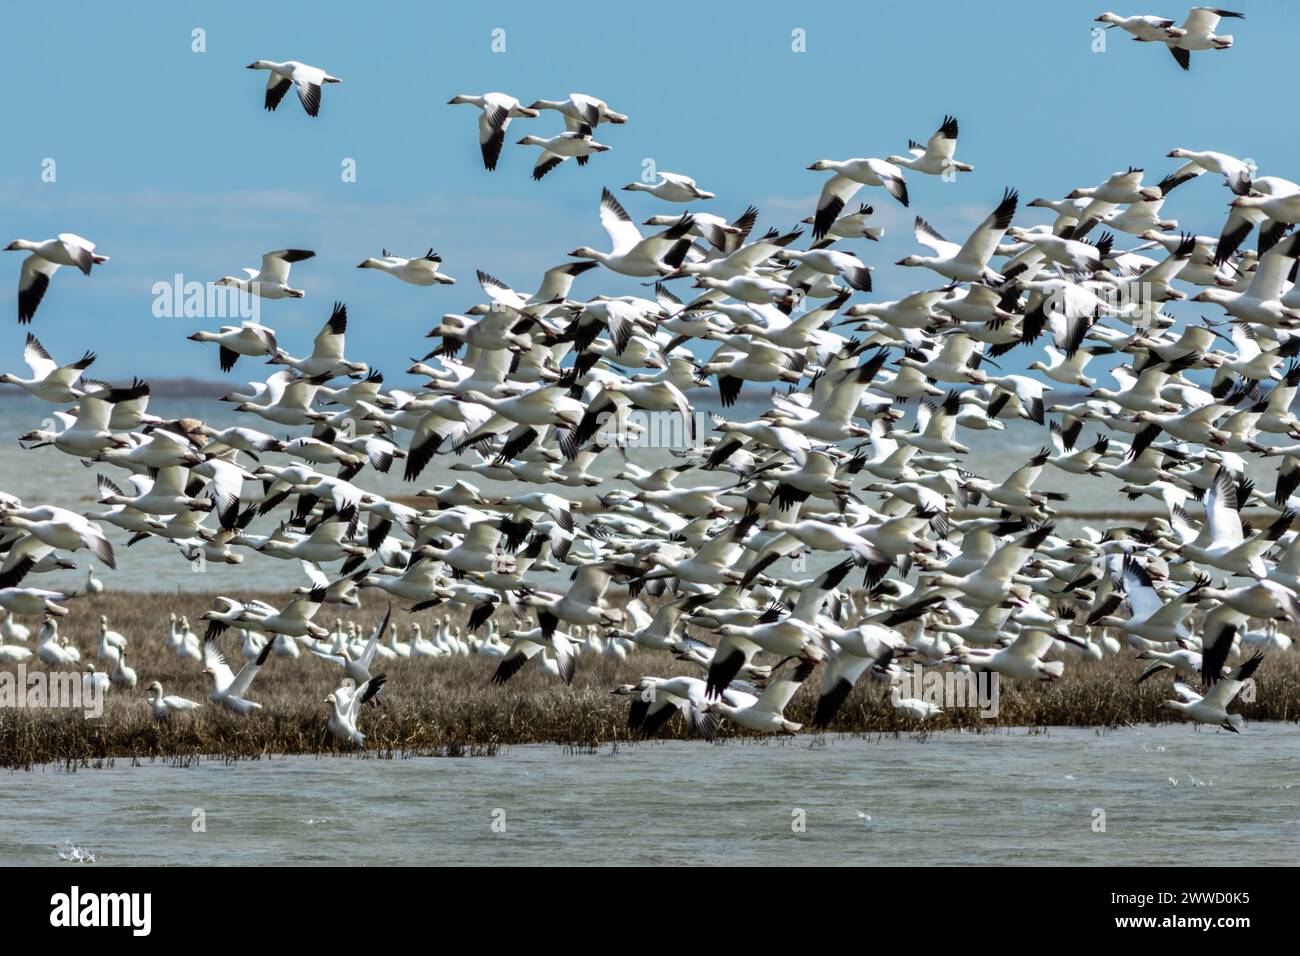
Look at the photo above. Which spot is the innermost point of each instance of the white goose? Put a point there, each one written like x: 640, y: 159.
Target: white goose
x: 498, y: 110
x: 421, y: 271
x: 346, y: 702
x: 850, y: 176
x: 671, y: 187
x: 272, y: 280
x: 307, y: 80
x: 50, y: 381
x: 164, y: 706
x: 47, y: 255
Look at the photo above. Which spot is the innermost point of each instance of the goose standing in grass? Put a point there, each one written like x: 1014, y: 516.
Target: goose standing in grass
x: 498, y: 110
x: 67, y: 249
x: 306, y: 80
x: 165, y: 706
x: 122, y: 675
x: 421, y: 271
x: 272, y: 280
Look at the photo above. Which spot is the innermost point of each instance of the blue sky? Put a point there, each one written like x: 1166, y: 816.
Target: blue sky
x: 167, y: 160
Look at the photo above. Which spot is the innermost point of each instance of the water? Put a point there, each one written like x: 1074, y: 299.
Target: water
x: 46, y: 475
x: 1170, y: 794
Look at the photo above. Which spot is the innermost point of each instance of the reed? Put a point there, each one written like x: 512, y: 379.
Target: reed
x: 447, y: 707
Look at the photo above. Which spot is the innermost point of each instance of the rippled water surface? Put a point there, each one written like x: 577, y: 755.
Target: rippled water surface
x: 1169, y: 795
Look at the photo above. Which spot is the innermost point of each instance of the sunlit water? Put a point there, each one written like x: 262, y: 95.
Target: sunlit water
x: 1164, y: 795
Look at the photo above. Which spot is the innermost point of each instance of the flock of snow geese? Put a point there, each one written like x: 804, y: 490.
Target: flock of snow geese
x: 530, y: 388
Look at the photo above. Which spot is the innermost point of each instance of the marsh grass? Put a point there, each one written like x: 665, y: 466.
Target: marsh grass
x: 447, y: 707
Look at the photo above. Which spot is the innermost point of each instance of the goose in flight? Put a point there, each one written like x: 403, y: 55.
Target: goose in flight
x: 250, y: 338
x: 766, y: 713
x: 850, y: 176
x: 936, y: 156
x: 346, y: 702
x: 229, y: 689
x: 671, y: 187
x: 498, y: 110
x: 580, y: 109
x: 1197, y: 33
x: 272, y: 280
x: 657, y: 255
x: 46, y: 257
x: 307, y: 80
x: 1213, y: 707
x: 967, y: 262
x: 421, y: 271
x: 326, y: 357
x: 555, y: 150
x: 1146, y: 29
x: 50, y: 381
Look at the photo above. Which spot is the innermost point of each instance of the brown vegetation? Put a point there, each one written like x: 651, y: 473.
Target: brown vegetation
x: 446, y: 706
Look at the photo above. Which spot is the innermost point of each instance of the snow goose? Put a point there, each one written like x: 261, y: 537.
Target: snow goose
x: 767, y: 713
x: 272, y: 280
x: 122, y: 675
x: 230, y: 690
x: 164, y: 706
x: 556, y: 149
x: 49, y: 648
x: 307, y: 80
x: 671, y: 187
x: 498, y: 110
x: 936, y: 156
x: 250, y: 338
x: 827, y: 261
x: 50, y: 381
x: 912, y: 707
x: 1213, y: 707
x: 62, y: 529
x: 656, y: 699
x: 525, y: 645
x: 1023, y: 659
x: 1147, y: 29
x: 850, y: 176
x: 1197, y: 33
x: 11, y: 632
x: 1261, y: 301
x: 421, y: 271
x: 1235, y: 172
x: 346, y: 702
x: 967, y: 262
x: 579, y: 110
x: 326, y: 357
x: 46, y: 257
x: 358, y: 669
x: 657, y: 255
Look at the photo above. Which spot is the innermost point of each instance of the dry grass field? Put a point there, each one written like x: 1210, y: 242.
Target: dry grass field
x: 446, y: 706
